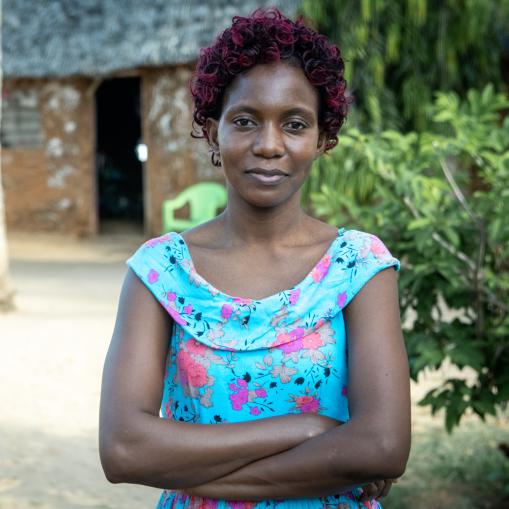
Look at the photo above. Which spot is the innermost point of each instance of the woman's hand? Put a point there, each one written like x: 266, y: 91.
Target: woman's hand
x: 377, y: 489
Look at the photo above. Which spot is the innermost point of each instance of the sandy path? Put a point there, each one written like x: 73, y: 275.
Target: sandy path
x: 53, y: 348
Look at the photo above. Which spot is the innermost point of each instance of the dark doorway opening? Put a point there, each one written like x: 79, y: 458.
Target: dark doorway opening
x: 119, y: 170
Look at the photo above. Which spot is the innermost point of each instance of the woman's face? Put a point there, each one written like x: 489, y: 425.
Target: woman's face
x: 268, y: 134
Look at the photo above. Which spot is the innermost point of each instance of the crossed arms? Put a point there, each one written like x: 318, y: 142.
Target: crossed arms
x: 291, y: 456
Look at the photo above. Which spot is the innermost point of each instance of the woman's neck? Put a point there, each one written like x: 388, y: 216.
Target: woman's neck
x: 246, y: 224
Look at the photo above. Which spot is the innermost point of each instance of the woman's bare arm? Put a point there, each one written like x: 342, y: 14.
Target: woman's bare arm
x: 374, y: 444
x: 138, y: 446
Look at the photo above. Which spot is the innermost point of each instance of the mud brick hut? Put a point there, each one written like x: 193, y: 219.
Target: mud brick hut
x: 96, y: 111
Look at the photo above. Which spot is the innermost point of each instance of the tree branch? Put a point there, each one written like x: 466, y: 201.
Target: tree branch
x: 478, y: 272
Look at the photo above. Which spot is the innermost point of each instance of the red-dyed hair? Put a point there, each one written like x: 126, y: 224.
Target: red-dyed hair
x: 267, y: 36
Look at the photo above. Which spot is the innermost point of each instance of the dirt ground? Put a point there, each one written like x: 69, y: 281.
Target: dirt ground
x: 53, y: 348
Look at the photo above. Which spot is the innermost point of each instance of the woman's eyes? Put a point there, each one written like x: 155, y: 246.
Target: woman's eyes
x: 243, y: 122
x: 296, y: 125
x: 292, y: 125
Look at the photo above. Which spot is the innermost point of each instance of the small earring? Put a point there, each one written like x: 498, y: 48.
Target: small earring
x: 216, y: 157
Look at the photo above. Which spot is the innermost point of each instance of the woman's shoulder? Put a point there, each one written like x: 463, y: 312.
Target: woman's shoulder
x: 157, y: 253
x: 160, y: 240
x: 361, y: 238
x: 355, y: 242
x: 363, y: 249
x: 358, y: 257
x: 355, y: 238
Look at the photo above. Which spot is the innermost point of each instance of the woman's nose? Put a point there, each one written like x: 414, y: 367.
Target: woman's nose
x: 269, y: 142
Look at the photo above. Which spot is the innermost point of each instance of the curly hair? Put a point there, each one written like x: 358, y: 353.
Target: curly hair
x: 268, y: 36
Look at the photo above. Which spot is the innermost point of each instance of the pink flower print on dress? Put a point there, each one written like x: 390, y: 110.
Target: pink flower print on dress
x: 289, y: 341
x: 341, y: 299
x: 242, y: 395
x: 291, y: 346
x: 321, y: 269
x: 344, y: 391
x: 195, y: 347
x: 239, y: 398
x: 297, y: 333
x: 197, y: 376
x: 312, y: 341
x: 307, y: 404
x: 153, y: 276
x: 242, y: 301
x: 188, y: 309
x: 294, y: 296
x: 183, y: 360
x: 174, y: 313
x: 281, y: 338
x: 254, y: 410
x: 191, y: 372
x: 226, y: 311
x: 378, y: 248
x: 172, y: 296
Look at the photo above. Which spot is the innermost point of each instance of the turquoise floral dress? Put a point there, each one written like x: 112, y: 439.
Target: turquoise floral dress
x: 233, y: 359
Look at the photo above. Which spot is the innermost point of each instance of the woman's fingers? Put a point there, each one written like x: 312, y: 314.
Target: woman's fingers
x: 386, y: 489
x: 369, y: 491
x: 376, y: 489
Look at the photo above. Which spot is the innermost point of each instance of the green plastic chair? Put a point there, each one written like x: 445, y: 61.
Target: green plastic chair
x: 204, y: 199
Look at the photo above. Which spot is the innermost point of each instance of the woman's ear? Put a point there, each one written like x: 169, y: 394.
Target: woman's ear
x: 321, y: 144
x: 211, y: 125
x: 212, y: 133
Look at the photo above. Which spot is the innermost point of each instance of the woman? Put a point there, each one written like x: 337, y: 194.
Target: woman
x: 244, y: 347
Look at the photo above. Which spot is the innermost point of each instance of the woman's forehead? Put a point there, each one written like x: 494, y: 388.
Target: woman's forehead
x: 274, y: 86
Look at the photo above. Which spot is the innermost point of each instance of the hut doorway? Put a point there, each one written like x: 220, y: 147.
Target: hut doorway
x: 118, y: 161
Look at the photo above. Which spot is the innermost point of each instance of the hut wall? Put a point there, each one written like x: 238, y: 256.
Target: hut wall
x: 52, y: 187
x: 175, y: 159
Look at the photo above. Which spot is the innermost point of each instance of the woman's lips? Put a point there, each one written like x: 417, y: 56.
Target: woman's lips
x: 267, y: 177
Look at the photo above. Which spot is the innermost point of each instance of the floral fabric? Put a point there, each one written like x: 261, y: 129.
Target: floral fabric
x: 234, y: 359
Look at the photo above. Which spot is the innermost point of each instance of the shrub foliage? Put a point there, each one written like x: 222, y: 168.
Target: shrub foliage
x: 440, y: 200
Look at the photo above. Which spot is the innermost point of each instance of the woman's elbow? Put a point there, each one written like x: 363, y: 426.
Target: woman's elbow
x: 115, y: 457
x: 392, y: 452
x: 129, y: 460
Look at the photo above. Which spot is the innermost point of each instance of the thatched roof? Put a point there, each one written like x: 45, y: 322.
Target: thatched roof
x: 97, y: 37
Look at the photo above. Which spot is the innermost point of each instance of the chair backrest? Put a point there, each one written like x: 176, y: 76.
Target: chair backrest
x: 204, y: 199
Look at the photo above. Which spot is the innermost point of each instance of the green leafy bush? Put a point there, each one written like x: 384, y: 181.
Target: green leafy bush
x: 440, y: 200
